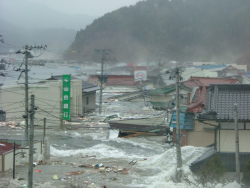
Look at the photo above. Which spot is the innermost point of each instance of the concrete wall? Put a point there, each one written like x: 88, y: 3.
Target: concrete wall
x: 202, y: 135
x: 76, y: 98
x: 7, y: 158
x: 226, y: 141
x: 231, y: 125
x: 48, y: 97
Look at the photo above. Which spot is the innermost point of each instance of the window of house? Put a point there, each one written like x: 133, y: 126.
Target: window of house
x: 87, y: 100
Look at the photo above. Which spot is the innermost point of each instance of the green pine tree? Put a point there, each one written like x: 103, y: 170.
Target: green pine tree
x: 212, y: 171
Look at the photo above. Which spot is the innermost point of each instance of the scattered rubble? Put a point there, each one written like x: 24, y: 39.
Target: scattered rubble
x: 10, y: 124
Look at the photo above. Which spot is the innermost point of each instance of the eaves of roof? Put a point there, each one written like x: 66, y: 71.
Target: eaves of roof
x: 159, y: 104
x: 206, y: 81
x: 163, y: 90
x: 6, y: 147
x: 196, y: 107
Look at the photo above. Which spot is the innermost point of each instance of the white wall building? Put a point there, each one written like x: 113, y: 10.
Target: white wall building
x: 48, y: 100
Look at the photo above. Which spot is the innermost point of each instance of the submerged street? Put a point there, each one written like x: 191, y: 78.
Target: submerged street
x: 145, y: 161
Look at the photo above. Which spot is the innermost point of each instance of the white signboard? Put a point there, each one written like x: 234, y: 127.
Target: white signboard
x: 140, y: 74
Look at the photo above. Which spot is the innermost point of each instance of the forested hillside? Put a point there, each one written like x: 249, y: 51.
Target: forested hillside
x: 185, y: 30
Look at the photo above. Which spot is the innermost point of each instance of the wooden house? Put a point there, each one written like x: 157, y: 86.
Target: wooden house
x: 200, y: 134
x: 220, y: 111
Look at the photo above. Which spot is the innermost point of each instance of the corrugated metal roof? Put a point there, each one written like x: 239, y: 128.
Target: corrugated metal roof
x: 91, y: 89
x: 88, y: 85
x: 162, y: 90
x: 6, y: 147
x: 210, y: 66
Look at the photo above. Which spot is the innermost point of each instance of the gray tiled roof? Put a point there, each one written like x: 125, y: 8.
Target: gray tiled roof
x: 86, y: 85
x: 222, y: 98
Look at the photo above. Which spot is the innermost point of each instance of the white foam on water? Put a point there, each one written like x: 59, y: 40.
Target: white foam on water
x: 159, y: 170
x: 141, y: 142
x: 99, y: 150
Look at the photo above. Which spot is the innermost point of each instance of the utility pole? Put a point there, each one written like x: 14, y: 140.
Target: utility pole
x: 237, y: 155
x: 105, y: 54
x: 27, y: 55
x: 26, y: 116
x: 160, y: 53
x: 101, y: 79
x: 178, y: 129
x: 31, y: 142
x: 44, y: 129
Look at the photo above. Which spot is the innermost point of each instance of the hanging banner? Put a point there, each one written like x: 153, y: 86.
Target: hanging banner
x: 66, y: 97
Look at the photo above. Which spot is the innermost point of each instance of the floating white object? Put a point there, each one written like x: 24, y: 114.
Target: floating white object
x: 113, y: 133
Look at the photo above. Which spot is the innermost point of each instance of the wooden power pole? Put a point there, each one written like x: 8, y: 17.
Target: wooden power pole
x: 26, y: 116
x: 237, y: 155
x: 31, y: 142
x: 178, y: 128
x: 101, y: 80
x: 105, y: 54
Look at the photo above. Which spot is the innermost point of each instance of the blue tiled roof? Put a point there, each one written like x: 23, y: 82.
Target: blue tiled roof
x: 247, y: 74
x: 210, y: 66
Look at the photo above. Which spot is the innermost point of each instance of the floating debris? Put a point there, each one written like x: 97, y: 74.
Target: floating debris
x: 133, y: 162
x: 75, y: 173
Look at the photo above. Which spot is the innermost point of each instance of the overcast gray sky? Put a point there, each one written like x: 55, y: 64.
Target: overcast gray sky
x: 75, y: 14
x: 89, y: 7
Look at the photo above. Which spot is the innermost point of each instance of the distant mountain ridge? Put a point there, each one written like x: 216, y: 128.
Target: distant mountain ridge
x: 57, y: 39
x: 39, y: 25
x: 32, y: 15
x: 185, y: 30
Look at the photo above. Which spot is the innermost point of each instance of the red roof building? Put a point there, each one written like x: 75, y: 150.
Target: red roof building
x: 115, y: 80
x: 206, y: 81
x: 6, y: 147
x: 198, y: 101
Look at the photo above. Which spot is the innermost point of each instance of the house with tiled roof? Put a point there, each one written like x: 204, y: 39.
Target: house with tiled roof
x: 230, y: 71
x: 220, y: 112
x: 200, y: 86
x: 200, y: 134
x: 206, y: 81
x: 198, y: 73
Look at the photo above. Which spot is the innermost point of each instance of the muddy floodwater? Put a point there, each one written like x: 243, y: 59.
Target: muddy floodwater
x: 88, y: 157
